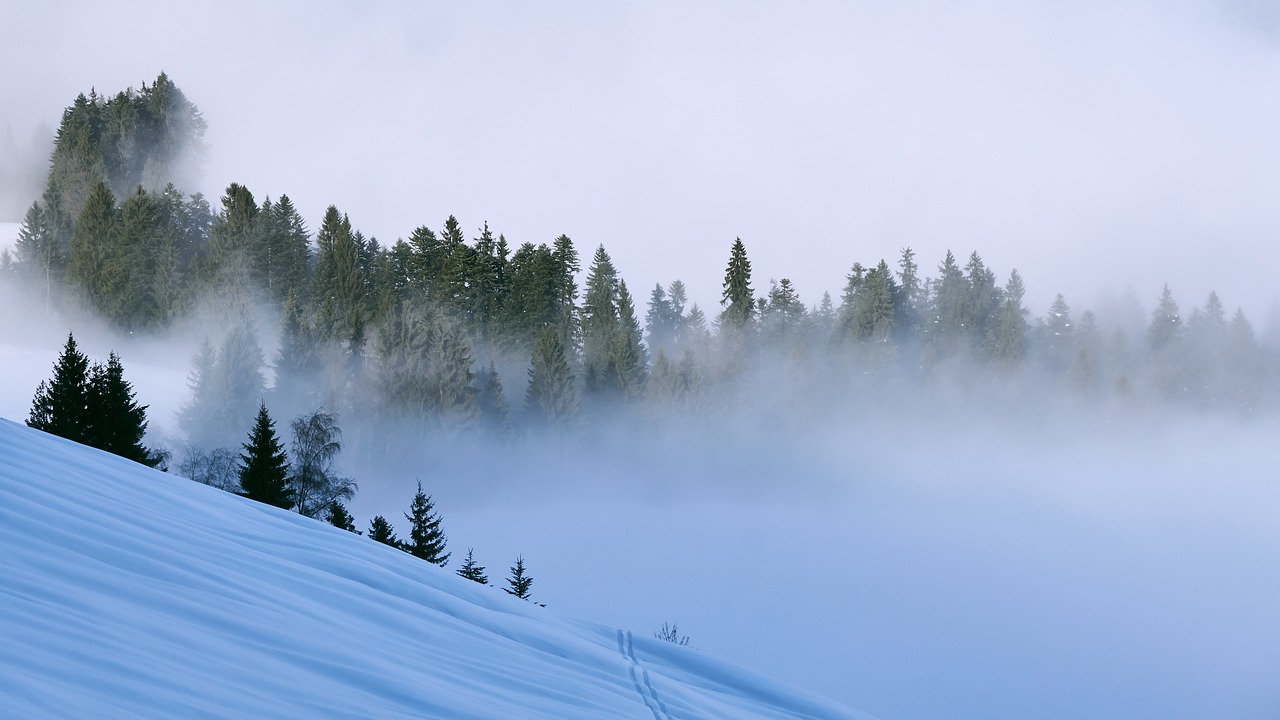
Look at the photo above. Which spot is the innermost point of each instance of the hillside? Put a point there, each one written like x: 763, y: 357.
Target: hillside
x: 130, y: 593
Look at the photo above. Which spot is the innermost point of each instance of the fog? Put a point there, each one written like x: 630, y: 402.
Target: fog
x: 915, y: 552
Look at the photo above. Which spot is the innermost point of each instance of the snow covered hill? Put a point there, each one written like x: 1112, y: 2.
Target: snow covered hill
x: 125, y: 592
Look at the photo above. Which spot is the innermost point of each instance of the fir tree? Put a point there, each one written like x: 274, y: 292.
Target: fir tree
x: 264, y: 467
x: 551, y: 397
x: 1166, y: 324
x: 340, y: 518
x: 426, y: 538
x: 737, y: 295
x: 38, y: 253
x: 473, y: 570
x: 518, y: 583
x: 381, y: 530
x: 61, y: 405
x: 115, y: 421
x: 491, y: 402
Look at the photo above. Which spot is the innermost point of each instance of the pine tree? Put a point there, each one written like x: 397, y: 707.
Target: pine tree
x: 340, y: 282
x: 61, y: 404
x: 600, y: 325
x: 473, y: 570
x: 518, y: 583
x: 340, y: 518
x: 115, y: 421
x: 627, y: 352
x: 91, y: 243
x: 1166, y: 324
x: 737, y: 296
x: 38, y: 253
x: 491, y: 402
x: 264, y: 467
x: 551, y: 397
x: 426, y: 538
x: 381, y: 530
x: 1011, y: 332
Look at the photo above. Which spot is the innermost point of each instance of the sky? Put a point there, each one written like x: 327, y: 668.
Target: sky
x: 1080, y: 570
x: 1090, y: 145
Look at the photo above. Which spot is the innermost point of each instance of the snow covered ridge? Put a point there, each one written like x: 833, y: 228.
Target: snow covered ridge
x: 129, y: 593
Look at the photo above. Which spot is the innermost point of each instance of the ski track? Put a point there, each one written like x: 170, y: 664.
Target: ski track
x: 643, y: 689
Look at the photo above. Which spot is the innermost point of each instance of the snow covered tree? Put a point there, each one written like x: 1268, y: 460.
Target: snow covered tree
x: 426, y: 537
x: 518, y: 583
x: 473, y: 570
x: 264, y: 469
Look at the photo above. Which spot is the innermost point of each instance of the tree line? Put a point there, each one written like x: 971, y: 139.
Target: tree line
x: 436, y: 326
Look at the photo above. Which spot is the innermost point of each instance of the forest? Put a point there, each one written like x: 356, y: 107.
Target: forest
x: 462, y: 333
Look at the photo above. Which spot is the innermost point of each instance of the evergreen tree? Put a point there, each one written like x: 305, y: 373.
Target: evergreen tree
x: 340, y: 282
x: 491, y: 402
x: 737, y: 296
x: 284, y: 252
x: 95, y: 234
x: 551, y: 397
x: 1166, y: 324
x: 115, y: 421
x: 600, y: 325
x: 518, y: 583
x: 910, y: 300
x: 426, y: 537
x: 61, y: 405
x: 627, y: 352
x: 473, y: 570
x: 1011, y: 331
x: 381, y: 530
x: 340, y: 518
x: 1058, y: 335
x: 38, y: 254
x: 264, y: 468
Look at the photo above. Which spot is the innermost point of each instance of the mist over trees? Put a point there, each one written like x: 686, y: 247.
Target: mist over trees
x: 450, y: 332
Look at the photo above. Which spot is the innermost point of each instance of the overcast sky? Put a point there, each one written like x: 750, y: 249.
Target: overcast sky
x: 1084, y: 143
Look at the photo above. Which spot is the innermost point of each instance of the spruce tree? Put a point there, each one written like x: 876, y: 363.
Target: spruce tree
x: 1166, y: 324
x: 518, y: 583
x: 473, y: 570
x: 38, y: 254
x: 61, y: 404
x: 115, y: 421
x: 552, y: 397
x: 737, y: 295
x: 264, y: 469
x: 381, y: 530
x: 426, y: 538
x: 340, y: 518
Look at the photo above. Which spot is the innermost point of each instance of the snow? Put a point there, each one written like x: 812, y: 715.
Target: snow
x: 131, y: 593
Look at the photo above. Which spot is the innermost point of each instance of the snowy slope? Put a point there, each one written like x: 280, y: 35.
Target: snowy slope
x: 125, y: 592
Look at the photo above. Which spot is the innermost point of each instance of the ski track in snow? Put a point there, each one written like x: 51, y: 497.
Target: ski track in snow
x: 645, y: 690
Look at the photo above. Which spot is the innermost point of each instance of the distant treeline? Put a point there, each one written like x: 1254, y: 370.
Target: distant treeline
x: 472, y: 334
